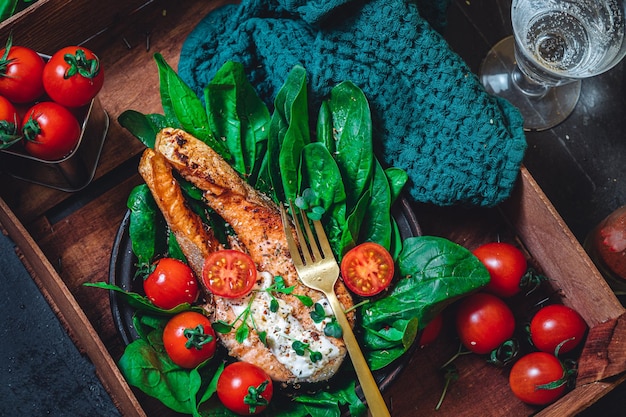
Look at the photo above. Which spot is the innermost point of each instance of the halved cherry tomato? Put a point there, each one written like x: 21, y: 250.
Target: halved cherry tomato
x: 244, y: 388
x: 229, y: 273
x: 367, y: 269
x: 557, y: 325
x: 530, y: 375
x: 73, y: 76
x: 189, y: 339
x: 172, y: 282
x: 484, y: 322
x: 506, y: 265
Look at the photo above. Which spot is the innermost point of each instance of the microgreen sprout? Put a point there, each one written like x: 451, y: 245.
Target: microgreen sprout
x: 332, y: 328
x: 302, y: 348
x: 311, y: 204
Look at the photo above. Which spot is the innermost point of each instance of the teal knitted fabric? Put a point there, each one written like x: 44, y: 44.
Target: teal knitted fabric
x: 431, y: 117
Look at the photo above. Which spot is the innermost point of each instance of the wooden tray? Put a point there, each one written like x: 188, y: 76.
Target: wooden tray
x: 537, y: 226
x: 66, y: 238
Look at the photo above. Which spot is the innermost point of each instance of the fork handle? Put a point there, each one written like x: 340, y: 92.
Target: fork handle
x: 373, y: 397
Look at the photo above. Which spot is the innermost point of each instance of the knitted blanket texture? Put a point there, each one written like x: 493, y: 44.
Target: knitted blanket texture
x: 430, y: 114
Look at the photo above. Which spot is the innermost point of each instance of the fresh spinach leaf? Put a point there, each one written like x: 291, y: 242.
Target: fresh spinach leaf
x: 144, y: 225
x: 397, y: 180
x: 327, y: 403
x: 140, y: 302
x: 153, y: 372
x: 352, y: 129
x: 435, y: 272
x: 350, y: 232
x: 289, y: 133
x: 143, y: 127
x: 320, y: 172
x: 183, y: 108
x: 376, y: 226
x: 238, y: 116
x: 324, y: 130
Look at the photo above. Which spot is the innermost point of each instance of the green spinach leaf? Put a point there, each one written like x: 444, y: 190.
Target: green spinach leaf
x: 352, y: 128
x: 377, y: 225
x: 289, y: 133
x: 435, y: 272
x: 144, y: 225
x: 183, y: 108
x: 140, y: 302
x: 143, y: 127
x: 237, y: 115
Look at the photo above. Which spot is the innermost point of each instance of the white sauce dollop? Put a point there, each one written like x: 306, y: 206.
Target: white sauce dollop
x: 283, y: 329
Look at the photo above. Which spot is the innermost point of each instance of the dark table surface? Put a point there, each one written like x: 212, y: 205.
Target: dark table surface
x: 579, y: 164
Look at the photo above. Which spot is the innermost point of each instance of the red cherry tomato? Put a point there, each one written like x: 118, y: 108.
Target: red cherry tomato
x: 189, y: 339
x: 506, y: 265
x: 556, y: 325
x: 9, y: 124
x: 367, y: 269
x: 21, y: 72
x: 229, y: 273
x: 244, y: 388
x: 73, y: 76
x: 532, y: 371
x: 484, y: 322
x: 171, y: 283
x: 51, y: 131
x: 431, y: 331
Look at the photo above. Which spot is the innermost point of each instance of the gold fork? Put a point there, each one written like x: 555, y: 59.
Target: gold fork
x: 318, y: 269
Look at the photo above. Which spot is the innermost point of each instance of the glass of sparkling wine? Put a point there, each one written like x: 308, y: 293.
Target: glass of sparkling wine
x: 556, y: 43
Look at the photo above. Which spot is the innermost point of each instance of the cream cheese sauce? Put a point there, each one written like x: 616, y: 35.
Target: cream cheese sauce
x: 283, y: 328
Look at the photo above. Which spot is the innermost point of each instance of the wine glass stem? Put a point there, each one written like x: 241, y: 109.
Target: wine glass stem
x: 527, y: 85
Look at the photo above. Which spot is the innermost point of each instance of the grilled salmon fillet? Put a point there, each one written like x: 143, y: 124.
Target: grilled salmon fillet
x: 257, y: 223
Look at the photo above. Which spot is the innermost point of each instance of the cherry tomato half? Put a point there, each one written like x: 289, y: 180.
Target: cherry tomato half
x: 189, y: 339
x: 244, y: 388
x: 532, y: 371
x: 367, y: 269
x: 484, y: 322
x: 506, y: 265
x: 51, y: 131
x: 21, y: 72
x: 172, y: 282
x: 229, y: 273
x: 555, y: 325
x: 73, y: 76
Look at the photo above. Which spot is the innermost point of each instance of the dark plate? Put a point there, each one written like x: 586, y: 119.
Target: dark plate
x: 122, y: 271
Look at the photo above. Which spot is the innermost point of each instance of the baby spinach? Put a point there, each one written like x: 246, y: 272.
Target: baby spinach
x: 146, y: 365
x: 435, y: 272
x: 352, y: 131
x: 144, y: 222
x: 376, y: 225
x: 183, y: 108
x: 289, y: 133
x: 238, y: 116
x: 139, y: 302
x: 144, y: 127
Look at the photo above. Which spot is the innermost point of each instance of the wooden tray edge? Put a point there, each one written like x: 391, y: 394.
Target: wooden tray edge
x: 71, y: 315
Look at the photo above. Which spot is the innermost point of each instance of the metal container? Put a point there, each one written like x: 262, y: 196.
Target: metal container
x: 75, y: 171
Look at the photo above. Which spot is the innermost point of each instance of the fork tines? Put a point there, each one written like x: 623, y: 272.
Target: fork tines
x: 309, y: 244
